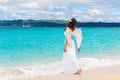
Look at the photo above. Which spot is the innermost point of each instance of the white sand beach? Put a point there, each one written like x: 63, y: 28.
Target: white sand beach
x: 111, y: 72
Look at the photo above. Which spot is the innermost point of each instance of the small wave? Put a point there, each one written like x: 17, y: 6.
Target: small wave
x: 50, y: 68
x: 88, y: 63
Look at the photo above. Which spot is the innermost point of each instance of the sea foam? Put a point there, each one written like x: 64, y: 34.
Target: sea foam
x: 50, y: 68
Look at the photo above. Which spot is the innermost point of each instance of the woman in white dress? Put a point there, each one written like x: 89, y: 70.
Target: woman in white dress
x: 70, y: 64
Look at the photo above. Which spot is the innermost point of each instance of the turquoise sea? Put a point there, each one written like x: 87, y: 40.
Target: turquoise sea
x: 39, y: 51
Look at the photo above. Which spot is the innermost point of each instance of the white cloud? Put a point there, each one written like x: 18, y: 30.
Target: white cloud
x: 4, y: 1
x: 3, y: 8
x: 96, y: 12
x: 59, y: 9
x: 29, y: 5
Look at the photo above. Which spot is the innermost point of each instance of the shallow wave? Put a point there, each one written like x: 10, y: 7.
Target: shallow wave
x: 88, y: 63
x: 50, y: 68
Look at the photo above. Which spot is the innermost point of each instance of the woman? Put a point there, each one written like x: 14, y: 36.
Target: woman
x: 70, y: 64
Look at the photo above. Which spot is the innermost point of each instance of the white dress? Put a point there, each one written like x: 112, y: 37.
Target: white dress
x: 70, y: 63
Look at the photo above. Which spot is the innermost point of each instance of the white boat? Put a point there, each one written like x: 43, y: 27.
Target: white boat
x: 25, y: 26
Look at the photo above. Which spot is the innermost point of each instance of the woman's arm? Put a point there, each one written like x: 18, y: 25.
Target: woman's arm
x: 65, y: 45
x: 67, y: 40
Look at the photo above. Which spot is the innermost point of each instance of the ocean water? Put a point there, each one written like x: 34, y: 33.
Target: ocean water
x: 28, y: 52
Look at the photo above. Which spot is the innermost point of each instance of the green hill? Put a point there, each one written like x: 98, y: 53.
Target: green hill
x: 53, y: 23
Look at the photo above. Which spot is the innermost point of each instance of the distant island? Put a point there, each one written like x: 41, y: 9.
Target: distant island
x: 53, y: 23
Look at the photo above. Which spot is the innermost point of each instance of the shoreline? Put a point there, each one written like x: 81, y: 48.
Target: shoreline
x: 111, y: 72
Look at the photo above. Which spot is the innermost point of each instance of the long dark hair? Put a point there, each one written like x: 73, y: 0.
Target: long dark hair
x: 71, y: 23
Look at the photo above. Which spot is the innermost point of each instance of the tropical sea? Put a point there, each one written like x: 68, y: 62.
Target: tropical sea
x: 37, y: 51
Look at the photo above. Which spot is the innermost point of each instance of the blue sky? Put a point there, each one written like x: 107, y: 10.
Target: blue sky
x: 82, y: 10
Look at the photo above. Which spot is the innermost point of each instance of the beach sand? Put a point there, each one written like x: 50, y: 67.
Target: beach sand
x: 102, y: 73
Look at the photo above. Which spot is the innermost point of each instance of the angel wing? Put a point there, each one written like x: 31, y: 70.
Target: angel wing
x: 78, y: 36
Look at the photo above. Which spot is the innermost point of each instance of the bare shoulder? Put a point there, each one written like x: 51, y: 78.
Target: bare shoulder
x: 67, y: 28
